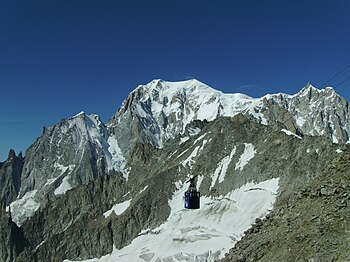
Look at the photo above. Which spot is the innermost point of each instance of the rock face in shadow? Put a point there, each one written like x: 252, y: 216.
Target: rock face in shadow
x: 12, y: 239
x: 10, y: 177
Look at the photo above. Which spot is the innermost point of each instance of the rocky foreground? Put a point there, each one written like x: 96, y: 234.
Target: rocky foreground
x: 311, y: 224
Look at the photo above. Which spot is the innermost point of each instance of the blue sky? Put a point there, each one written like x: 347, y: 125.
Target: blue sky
x: 58, y: 58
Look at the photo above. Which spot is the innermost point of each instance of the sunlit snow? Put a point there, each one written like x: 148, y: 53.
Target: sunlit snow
x: 290, y: 133
x: 247, y: 155
x: 116, y: 161
x: 63, y: 187
x: 24, y: 207
x: 339, y: 151
x: 190, y: 159
x: 221, y: 169
x: 118, y: 209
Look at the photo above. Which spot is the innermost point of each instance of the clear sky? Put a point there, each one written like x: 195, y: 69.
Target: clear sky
x: 60, y: 57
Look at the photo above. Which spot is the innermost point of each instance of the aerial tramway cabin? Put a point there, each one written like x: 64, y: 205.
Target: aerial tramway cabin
x: 192, y: 196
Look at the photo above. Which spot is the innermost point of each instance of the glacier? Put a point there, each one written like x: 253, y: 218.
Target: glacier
x: 205, y: 234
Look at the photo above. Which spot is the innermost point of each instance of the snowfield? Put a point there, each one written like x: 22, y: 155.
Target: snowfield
x: 24, y: 207
x: 205, y: 234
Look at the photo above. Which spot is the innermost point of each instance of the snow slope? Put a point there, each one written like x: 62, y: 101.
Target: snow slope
x: 205, y: 234
x: 24, y: 207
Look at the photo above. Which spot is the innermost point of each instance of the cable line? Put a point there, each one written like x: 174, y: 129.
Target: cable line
x: 343, y: 81
x: 336, y: 75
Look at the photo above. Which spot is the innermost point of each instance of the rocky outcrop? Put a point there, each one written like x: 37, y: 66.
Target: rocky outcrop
x: 10, y: 177
x: 73, y: 147
x: 309, y: 222
x: 312, y: 111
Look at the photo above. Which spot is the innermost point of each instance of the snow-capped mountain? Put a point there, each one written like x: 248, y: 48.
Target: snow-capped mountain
x: 126, y: 178
x: 81, y: 148
x: 73, y: 152
x: 161, y: 110
x: 312, y: 111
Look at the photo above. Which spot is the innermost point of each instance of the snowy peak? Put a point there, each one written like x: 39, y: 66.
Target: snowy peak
x: 161, y: 110
x: 312, y: 92
x: 73, y: 152
x: 88, y: 125
x: 159, y: 89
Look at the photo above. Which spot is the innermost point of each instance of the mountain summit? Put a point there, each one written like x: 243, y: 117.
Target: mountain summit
x: 161, y: 110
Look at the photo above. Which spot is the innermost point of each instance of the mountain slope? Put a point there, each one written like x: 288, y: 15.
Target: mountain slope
x: 227, y: 154
x: 310, y: 225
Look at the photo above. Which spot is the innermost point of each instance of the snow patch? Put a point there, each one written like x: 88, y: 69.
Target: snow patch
x: 221, y: 169
x: 339, y: 151
x: 300, y: 121
x: 116, y: 161
x: 143, y: 189
x: 63, y: 187
x: 248, y: 154
x: 290, y: 133
x: 60, y: 167
x: 24, y: 207
x: 194, y: 131
x: 118, y: 209
x: 199, y: 138
x: 189, y: 160
x: 184, y: 139
x: 50, y: 181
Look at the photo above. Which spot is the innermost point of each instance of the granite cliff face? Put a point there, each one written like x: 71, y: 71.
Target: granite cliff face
x: 73, y: 152
x: 10, y: 177
x: 86, y: 187
x: 312, y: 111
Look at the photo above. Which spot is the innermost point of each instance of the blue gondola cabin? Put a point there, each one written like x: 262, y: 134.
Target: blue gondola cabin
x: 192, y: 199
x: 192, y: 196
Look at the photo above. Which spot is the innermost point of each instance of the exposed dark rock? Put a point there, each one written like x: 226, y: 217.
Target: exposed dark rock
x: 10, y: 177
x: 12, y: 239
x: 316, y: 228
